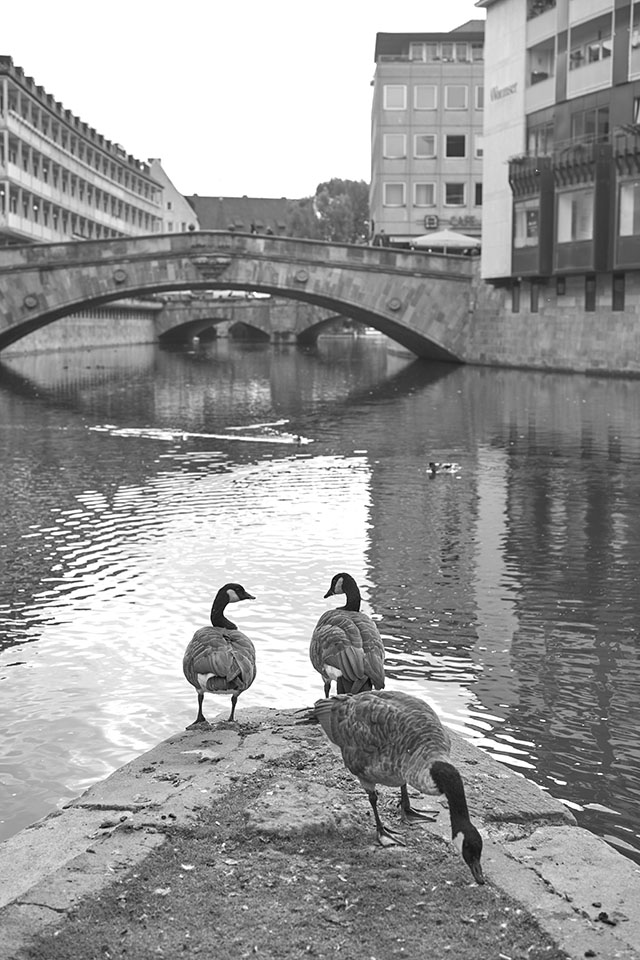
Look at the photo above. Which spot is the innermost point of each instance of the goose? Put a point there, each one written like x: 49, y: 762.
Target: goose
x: 435, y: 468
x: 220, y: 658
x: 346, y: 645
x: 395, y: 739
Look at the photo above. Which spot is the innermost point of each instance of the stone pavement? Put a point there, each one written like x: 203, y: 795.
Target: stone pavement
x: 579, y: 890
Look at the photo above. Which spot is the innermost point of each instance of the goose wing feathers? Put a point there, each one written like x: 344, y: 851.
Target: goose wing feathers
x: 385, y: 736
x: 349, y: 641
x: 220, y: 652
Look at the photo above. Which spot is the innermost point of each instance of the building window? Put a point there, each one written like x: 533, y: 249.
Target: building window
x: 480, y: 98
x: 541, y: 61
x: 617, y: 291
x: 462, y: 52
x: 455, y: 145
x: 526, y: 224
x: 590, y: 42
x: 425, y: 97
x: 477, y: 198
x: 424, y: 145
x: 455, y: 96
x: 536, y: 7
x: 592, y: 124
x: 477, y: 52
x: 394, y: 146
x: 590, y: 294
x: 395, y: 96
x: 416, y: 51
x: 629, y: 209
x: 634, y: 53
x: 393, y: 194
x: 424, y: 194
x: 575, y: 215
x: 432, y: 52
x: 447, y: 52
x: 540, y: 139
x: 454, y: 194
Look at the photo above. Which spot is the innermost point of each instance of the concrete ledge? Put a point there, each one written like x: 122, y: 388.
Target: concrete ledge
x: 579, y: 889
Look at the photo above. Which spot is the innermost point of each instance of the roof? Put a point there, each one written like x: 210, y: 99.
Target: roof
x: 393, y: 44
x: 239, y: 213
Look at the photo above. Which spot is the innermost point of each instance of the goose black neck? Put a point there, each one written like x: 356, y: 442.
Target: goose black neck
x: 218, y: 618
x: 448, y: 781
x: 351, y: 592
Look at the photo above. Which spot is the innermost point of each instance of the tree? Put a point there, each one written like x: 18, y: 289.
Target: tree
x: 302, y: 220
x: 343, y: 209
x: 339, y: 211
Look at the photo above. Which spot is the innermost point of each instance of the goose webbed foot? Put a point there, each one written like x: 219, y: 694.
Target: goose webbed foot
x: 418, y: 816
x: 199, y: 725
x: 389, y: 838
x: 409, y: 814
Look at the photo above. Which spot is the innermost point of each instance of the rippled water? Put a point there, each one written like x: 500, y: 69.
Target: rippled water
x: 136, y: 481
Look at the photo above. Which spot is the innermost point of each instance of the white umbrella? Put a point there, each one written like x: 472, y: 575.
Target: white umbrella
x: 446, y: 238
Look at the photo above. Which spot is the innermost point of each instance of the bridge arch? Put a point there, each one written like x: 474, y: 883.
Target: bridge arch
x: 422, y: 301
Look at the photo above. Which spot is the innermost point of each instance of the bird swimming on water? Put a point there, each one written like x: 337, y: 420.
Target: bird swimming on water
x: 436, y: 468
x: 397, y: 739
x: 346, y: 645
x: 220, y: 659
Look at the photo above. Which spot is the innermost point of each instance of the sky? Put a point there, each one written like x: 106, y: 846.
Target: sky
x: 235, y: 97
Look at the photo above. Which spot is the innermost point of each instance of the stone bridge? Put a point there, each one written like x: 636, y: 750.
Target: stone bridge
x: 422, y: 301
x: 270, y: 319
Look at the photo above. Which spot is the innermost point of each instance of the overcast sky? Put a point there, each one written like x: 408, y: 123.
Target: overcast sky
x: 260, y: 97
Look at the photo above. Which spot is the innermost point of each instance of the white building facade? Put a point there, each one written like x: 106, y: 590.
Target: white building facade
x: 60, y: 180
x: 427, y: 133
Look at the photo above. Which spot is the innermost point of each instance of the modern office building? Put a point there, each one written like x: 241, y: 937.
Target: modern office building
x: 426, y: 136
x: 562, y: 150
x: 60, y: 180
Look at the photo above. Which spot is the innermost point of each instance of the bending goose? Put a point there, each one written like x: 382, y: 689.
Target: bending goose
x: 346, y: 645
x: 220, y: 658
x: 396, y: 739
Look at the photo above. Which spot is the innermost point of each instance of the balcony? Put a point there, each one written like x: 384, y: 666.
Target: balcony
x: 536, y: 8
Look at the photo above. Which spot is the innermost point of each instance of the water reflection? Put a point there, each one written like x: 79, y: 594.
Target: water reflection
x: 136, y: 481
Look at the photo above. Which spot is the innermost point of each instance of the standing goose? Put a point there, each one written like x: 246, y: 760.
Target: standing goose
x: 346, y: 645
x: 396, y: 739
x: 220, y: 658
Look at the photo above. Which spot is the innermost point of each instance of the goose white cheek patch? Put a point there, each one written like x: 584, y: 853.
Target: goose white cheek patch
x: 458, y: 840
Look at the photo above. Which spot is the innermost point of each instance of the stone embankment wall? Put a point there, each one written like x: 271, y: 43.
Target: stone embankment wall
x: 124, y: 324
x: 560, y: 335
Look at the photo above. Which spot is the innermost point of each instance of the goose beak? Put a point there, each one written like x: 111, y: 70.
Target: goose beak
x: 329, y: 593
x: 476, y: 870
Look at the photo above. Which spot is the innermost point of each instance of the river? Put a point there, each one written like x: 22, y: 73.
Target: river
x: 137, y: 480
